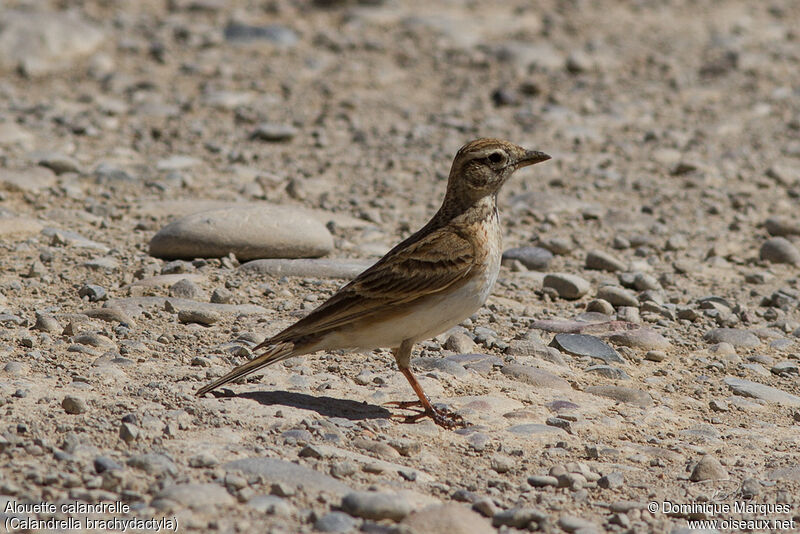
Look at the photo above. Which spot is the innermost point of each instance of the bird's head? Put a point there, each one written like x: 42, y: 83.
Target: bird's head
x: 482, y: 166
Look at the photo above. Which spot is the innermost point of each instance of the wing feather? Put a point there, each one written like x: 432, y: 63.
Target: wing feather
x: 415, y: 268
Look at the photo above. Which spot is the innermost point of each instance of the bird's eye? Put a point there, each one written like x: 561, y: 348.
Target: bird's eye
x: 496, y: 157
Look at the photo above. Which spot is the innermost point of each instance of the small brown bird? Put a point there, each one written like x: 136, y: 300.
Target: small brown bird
x: 424, y: 286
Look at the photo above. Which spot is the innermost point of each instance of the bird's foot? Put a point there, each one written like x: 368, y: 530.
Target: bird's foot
x: 404, y: 405
x: 442, y: 417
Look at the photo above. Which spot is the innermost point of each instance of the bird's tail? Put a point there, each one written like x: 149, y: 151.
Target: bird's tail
x: 274, y: 354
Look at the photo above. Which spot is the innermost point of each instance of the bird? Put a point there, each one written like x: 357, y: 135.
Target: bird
x: 428, y: 283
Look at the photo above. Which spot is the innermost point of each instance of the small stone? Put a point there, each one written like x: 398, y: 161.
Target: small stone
x: 570, y: 523
x: 600, y: 306
x: 779, y: 250
x: 541, y: 481
x: 655, y: 355
x: 103, y: 464
x: 617, y: 296
x: 718, y: 405
x: 586, y: 345
x: 737, y: 337
x: 779, y: 226
x: 603, y: 261
x: 199, y: 316
x: 558, y: 245
x: 376, y: 506
x: 567, y: 286
x: 59, y: 163
x: 335, y: 522
x: 272, y: 505
x: 485, y: 507
x: 239, y: 33
x: 93, y: 292
x: 640, y: 338
x: 128, y: 432
x: 460, y: 343
x: 221, y: 296
x: 612, y: 480
x: 47, y: 323
x: 501, y: 463
x: 534, y: 258
x: 274, y: 133
x: 519, y: 517
x: 74, y: 405
x: 708, y: 468
x: 185, y: 289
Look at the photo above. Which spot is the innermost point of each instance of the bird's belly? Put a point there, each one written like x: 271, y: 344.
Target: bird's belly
x: 432, y: 316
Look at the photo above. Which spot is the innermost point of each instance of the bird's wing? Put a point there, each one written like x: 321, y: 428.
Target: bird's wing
x: 420, y: 266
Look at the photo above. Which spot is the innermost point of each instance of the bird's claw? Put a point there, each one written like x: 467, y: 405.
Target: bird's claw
x: 442, y: 417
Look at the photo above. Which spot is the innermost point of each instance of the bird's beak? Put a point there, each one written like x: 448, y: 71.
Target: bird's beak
x: 531, y: 157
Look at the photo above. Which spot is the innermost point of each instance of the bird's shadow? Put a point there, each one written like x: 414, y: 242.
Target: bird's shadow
x: 326, y: 406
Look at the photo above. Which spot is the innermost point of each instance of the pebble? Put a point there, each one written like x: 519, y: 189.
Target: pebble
x: 128, y: 432
x: 74, y: 405
x: 779, y: 250
x: 708, y: 468
x: 568, y: 286
x: 571, y: 523
x: 586, y: 345
x: 199, y: 316
x: 541, y: 481
x: 603, y: 261
x: 736, y: 337
x: 617, y: 296
x: 39, y: 43
x: 104, y: 463
x: 450, y: 518
x: 93, y: 292
x: 274, y: 133
x: 221, y: 295
x: 642, y: 338
x: 249, y: 233
x: 47, y: 323
x: 747, y: 388
x: 30, y: 180
x: 335, y: 522
x: 308, y: 268
x: 519, y: 517
x: 376, y: 505
x: 535, y: 377
x: 558, y: 245
x: 155, y: 464
x: 272, y: 505
x: 460, y: 343
x: 236, y: 32
x: 612, y: 480
x: 534, y: 258
x: 501, y: 463
x: 600, y: 306
x: 622, y: 394
x: 781, y: 227
x: 185, y: 289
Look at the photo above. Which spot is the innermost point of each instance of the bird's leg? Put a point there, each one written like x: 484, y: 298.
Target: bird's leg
x: 446, y: 419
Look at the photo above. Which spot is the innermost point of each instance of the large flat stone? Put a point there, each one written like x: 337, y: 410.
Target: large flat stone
x: 250, y: 233
x: 293, y: 475
x: 747, y: 388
